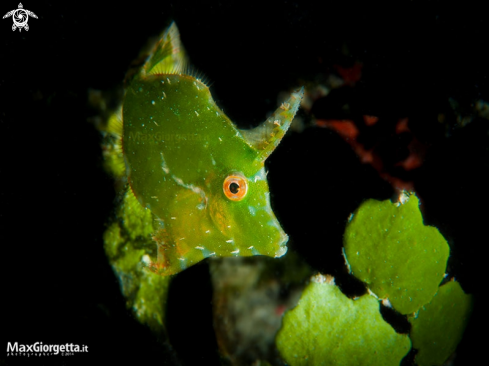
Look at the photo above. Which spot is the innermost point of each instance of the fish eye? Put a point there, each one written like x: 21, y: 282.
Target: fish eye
x: 235, y: 187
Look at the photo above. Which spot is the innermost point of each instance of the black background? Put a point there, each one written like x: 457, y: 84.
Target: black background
x: 55, y: 198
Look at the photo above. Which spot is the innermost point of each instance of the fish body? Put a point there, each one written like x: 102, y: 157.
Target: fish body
x: 198, y: 180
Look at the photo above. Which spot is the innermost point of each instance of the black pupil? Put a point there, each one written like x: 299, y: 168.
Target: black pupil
x: 234, y: 188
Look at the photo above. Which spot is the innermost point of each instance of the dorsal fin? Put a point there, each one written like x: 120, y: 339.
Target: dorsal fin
x: 168, y: 55
x: 265, y: 137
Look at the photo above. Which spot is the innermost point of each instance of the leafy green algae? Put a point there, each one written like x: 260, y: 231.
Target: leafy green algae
x: 400, y: 259
x: 128, y: 245
x: 388, y: 247
x: 328, y: 328
x: 439, y: 325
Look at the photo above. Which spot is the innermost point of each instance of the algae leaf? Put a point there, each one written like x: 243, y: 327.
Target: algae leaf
x: 327, y: 328
x: 388, y: 247
x: 439, y: 326
x: 128, y: 246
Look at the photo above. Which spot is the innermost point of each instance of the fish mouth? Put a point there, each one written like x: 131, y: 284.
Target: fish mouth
x: 282, y: 245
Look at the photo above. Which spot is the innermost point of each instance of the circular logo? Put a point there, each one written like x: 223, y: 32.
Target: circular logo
x: 20, y: 18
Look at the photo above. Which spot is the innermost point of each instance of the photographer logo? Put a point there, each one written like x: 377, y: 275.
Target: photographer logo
x: 20, y: 17
x: 39, y: 349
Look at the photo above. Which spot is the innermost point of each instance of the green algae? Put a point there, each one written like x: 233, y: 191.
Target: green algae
x: 128, y: 245
x: 439, y: 326
x: 387, y: 246
x: 328, y: 328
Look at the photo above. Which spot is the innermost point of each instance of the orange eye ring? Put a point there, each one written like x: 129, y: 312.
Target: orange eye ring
x: 235, y: 187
